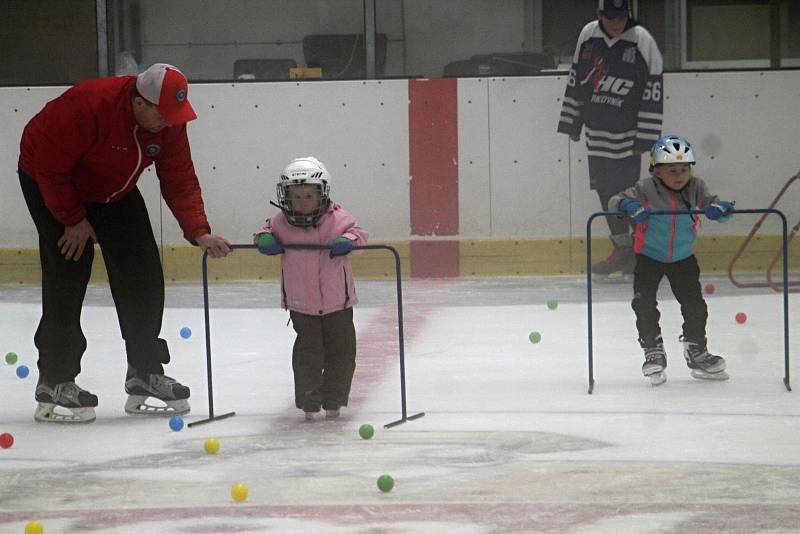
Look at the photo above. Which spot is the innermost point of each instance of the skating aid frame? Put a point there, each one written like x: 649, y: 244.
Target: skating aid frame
x: 737, y: 211
x: 404, y: 415
x: 756, y: 227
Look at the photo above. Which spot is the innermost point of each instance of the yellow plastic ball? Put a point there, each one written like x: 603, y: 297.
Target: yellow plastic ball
x: 211, y: 445
x: 239, y: 492
x: 34, y: 527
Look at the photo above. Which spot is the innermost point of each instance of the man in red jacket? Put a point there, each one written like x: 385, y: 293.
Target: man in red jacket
x: 80, y: 159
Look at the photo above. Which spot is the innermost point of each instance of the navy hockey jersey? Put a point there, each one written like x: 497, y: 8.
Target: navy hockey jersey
x: 615, y: 88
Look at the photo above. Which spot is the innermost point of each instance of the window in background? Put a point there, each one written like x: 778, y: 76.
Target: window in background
x: 789, y: 32
x: 740, y: 33
x: 240, y: 39
x: 433, y: 38
x: 56, y: 41
x: 725, y: 31
x: 53, y: 42
x: 562, y: 21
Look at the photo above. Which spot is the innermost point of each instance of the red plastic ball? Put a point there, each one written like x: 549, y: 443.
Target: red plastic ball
x: 710, y: 288
x: 741, y: 317
x: 6, y: 440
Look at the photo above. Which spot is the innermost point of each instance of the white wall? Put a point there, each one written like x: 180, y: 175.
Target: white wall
x: 517, y: 177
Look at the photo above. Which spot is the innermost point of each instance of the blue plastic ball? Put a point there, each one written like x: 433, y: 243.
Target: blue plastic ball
x: 176, y: 423
x: 186, y: 332
x: 23, y: 371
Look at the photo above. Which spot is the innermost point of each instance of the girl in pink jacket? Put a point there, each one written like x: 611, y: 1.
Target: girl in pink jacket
x: 317, y: 285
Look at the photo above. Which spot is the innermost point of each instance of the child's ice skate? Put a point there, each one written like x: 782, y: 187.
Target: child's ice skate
x: 655, y: 361
x: 703, y: 364
x: 169, y: 391
x: 332, y: 409
x: 79, y: 403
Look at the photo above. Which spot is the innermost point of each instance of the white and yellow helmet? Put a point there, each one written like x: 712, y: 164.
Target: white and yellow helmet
x: 304, y: 171
x: 671, y: 149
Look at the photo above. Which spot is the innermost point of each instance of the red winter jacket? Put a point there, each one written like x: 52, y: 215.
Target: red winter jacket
x: 86, y: 147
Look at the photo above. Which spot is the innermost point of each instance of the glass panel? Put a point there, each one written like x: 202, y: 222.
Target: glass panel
x: 48, y: 42
x: 562, y: 21
x: 244, y: 39
x: 55, y: 41
x: 727, y: 30
x: 790, y: 29
x: 658, y: 17
x: 433, y: 38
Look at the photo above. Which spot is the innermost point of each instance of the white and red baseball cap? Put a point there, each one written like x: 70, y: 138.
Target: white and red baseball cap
x: 166, y: 87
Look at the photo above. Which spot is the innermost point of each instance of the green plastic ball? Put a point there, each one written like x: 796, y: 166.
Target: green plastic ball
x: 552, y: 304
x: 366, y: 431
x: 11, y: 358
x: 535, y: 337
x: 385, y: 483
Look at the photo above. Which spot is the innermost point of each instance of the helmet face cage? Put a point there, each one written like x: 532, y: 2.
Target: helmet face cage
x: 671, y: 149
x: 304, y: 172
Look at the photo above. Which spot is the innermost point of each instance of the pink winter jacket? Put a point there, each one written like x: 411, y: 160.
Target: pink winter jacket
x: 312, y: 282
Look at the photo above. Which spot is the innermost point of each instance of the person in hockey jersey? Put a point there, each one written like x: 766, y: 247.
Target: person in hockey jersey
x: 80, y: 159
x: 614, y: 90
x: 664, y: 246
x: 317, y: 286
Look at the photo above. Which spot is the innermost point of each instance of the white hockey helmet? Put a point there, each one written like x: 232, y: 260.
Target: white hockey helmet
x: 304, y: 171
x: 671, y: 149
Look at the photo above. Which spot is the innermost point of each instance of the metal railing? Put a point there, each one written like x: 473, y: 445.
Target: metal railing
x: 689, y: 212
x: 401, y: 342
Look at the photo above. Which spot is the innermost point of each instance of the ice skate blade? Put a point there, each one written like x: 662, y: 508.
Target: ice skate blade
x: 613, y: 278
x: 137, y: 405
x: 310, y: 416
x: 656, y: 379
x: 703, y: 375
x: 46, y: 413
x: 331, y: 414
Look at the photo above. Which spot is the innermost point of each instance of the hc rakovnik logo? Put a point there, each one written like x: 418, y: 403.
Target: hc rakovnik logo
x: 180, y: 96
x: 614, y: 85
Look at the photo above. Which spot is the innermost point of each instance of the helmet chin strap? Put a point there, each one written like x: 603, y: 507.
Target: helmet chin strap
x: 322, y: 210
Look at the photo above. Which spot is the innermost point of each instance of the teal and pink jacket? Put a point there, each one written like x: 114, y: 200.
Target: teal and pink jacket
x: 666, y: 238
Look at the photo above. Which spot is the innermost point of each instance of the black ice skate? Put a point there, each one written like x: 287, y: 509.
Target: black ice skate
x: 311, y: 407
x: 703, y: 364
x: 172, y: 395
x: 655, y: 361
x: 332, y: 409
x: 79, y: 403
x: 621, y: 260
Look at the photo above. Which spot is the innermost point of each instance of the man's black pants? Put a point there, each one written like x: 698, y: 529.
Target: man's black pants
x: 134, y: 273
x: 684, y: 279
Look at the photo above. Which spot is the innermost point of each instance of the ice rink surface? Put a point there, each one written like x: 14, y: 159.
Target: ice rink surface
x: 510, y: 440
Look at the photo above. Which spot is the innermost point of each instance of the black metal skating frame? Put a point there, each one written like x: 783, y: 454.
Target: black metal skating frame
x: 404, y: 416
x: 692, y: 212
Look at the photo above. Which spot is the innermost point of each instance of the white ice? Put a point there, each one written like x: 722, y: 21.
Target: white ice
x: 510, y: 440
